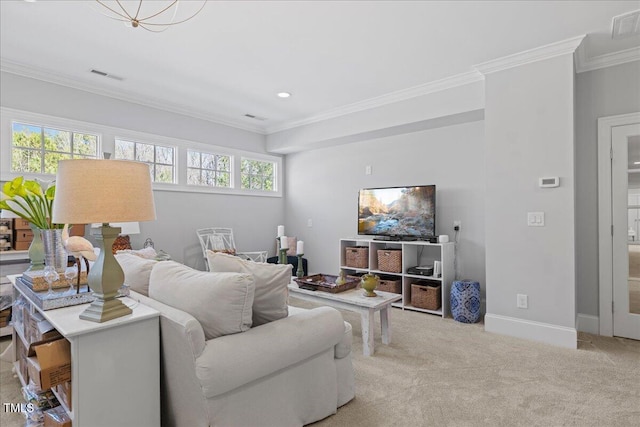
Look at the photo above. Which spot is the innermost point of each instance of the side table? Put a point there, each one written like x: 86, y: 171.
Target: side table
x: 115, y: 365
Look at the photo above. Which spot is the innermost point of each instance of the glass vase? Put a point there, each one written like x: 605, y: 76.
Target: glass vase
x: 55, y: 254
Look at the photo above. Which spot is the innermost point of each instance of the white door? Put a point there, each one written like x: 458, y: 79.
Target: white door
x: 625, y: 182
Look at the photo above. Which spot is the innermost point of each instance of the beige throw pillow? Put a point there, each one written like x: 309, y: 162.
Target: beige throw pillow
x: 136, y: 271
x: 221, y: 302
x: 270, y: 301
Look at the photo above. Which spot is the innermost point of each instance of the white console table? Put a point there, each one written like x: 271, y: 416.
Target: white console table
x: 115, y: 365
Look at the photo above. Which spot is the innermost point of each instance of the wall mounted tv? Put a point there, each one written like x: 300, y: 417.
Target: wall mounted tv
x: 398, y: 212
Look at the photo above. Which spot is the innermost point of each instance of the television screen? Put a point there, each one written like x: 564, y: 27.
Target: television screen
x: 398, y: 212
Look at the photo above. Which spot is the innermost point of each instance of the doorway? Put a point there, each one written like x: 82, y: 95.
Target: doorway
x: 619, y: 224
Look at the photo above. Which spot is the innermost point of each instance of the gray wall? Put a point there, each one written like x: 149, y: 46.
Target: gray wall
x: 600, y: 93
x: 322, y: 185
x: 529, y: 134
x: 179, y: 214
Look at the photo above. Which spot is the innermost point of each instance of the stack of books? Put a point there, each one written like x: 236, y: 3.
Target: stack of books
x: 35, y: 280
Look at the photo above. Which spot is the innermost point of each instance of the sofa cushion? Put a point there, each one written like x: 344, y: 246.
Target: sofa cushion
x: 230, y: 362
x: 137, y: 271
x: 148, y: 253
x: 270, y: 301
x: 221, y: 302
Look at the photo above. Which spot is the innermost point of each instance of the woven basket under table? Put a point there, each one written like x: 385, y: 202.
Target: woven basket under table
x: 427, y: 296
x: 390, y: 284
x: 357, y: 256
x: 390, y: 260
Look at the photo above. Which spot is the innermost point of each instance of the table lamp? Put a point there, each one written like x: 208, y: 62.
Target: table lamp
x: 103, y: 191
x: 122, y: 242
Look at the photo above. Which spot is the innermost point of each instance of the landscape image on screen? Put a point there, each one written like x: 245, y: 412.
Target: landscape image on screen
x: 400, y: 211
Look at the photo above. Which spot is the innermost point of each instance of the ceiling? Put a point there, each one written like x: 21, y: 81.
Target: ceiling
x: 232, y: 58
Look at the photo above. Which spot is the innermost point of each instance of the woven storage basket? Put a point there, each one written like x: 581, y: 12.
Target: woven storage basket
x: 357, y: 256
x: 390, y: 284
x: 390, y: 260
x: 427, y: 296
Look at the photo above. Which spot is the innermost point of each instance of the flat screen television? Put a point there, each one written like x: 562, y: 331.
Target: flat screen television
x: 398, y: 212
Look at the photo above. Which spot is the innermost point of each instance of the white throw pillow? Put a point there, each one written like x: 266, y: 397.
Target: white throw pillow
x: 270, y: 301
x: 221, y: 302
x: 136, y: 271
x: 148, y: 253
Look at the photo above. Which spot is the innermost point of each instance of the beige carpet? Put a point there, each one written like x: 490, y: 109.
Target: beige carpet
x: 440, y: 372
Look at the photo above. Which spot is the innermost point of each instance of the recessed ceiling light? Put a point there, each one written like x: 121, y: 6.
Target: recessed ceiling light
x: 284, y: 94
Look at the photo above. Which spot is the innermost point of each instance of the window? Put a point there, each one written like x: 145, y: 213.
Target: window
x: 161, y: 160
x: 213, y: 170
x: 37, y: 149
x: 257, y: 175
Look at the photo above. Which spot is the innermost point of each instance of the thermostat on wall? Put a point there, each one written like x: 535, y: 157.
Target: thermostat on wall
x: 548, y: 182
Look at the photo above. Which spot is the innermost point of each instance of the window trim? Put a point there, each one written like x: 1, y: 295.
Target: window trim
x: 10, y: 116
x: 107, y: 136
x: 275, y: 174
x: 231, y: 170
x: 155, y: 145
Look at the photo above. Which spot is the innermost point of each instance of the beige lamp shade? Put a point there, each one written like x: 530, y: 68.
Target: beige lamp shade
x: 91, y: 190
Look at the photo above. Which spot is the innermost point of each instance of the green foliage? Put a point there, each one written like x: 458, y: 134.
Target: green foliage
x: 212, y: 170
x: 27, y: 200
x: 38, y: 150
x: 256, y: 175
x: 159, y: 158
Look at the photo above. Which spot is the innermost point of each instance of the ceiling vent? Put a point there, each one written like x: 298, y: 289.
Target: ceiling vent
x: 251, y: 116
x: 626, y: 25
x: 103, y: 74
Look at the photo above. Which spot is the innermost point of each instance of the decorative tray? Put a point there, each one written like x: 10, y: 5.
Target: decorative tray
x: 326, y: 283
x: 59, y: 299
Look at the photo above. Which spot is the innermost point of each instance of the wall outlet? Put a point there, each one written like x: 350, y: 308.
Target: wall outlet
x: 309, y: 222
x: 456, y: 225
x: 523, y: 301
x: 367, y: 170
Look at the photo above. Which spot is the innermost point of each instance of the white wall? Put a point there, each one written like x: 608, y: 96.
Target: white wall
x: 441, y: 103
x: 600, y: 93
x: 322, y: 185
x: 529, y: 133
x: 254, y: 218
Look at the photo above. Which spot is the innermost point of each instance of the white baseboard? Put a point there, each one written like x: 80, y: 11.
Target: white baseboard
x: 588, y: 323
x: 560, y: 336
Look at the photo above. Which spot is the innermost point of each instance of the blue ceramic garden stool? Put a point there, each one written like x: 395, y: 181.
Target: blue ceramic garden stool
x: 465, y: 301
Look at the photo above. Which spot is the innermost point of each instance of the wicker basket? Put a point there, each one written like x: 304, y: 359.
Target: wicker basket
x: 426, y: 296
x: 390, y: 260
x: 390, y: 284
x: 357, y: 257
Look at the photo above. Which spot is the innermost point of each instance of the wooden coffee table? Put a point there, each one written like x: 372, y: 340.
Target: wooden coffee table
x: 354, y: 300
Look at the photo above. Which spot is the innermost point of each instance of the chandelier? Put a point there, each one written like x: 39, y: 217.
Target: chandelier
x: 155, y: 16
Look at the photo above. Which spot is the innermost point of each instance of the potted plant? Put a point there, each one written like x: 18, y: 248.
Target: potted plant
x: 28, y: 200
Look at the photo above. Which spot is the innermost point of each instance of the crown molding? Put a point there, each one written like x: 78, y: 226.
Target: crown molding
x: 584, y: 63
x: 532, y: 55
x: 65, y: 80
x: 382, y: 100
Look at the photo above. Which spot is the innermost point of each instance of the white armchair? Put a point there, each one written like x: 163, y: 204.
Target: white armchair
x: 220, y: 239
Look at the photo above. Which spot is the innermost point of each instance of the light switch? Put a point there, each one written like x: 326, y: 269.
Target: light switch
x: 535, y: 219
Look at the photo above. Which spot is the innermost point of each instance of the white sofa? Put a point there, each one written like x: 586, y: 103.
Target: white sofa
x: 288, y: 372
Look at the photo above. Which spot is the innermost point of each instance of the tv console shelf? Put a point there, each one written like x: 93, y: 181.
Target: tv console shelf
x: 414, y: 253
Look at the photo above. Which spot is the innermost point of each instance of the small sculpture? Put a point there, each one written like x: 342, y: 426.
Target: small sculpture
x: 79, y: 248
x: 341, y: 280
x: 369, y: 283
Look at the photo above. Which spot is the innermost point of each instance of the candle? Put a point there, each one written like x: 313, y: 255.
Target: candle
x: 300, y: 247
x: 284, y: 243
x: 280, y: 230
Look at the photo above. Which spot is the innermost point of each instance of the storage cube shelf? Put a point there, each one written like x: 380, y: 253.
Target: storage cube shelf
x: 412, y: 253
